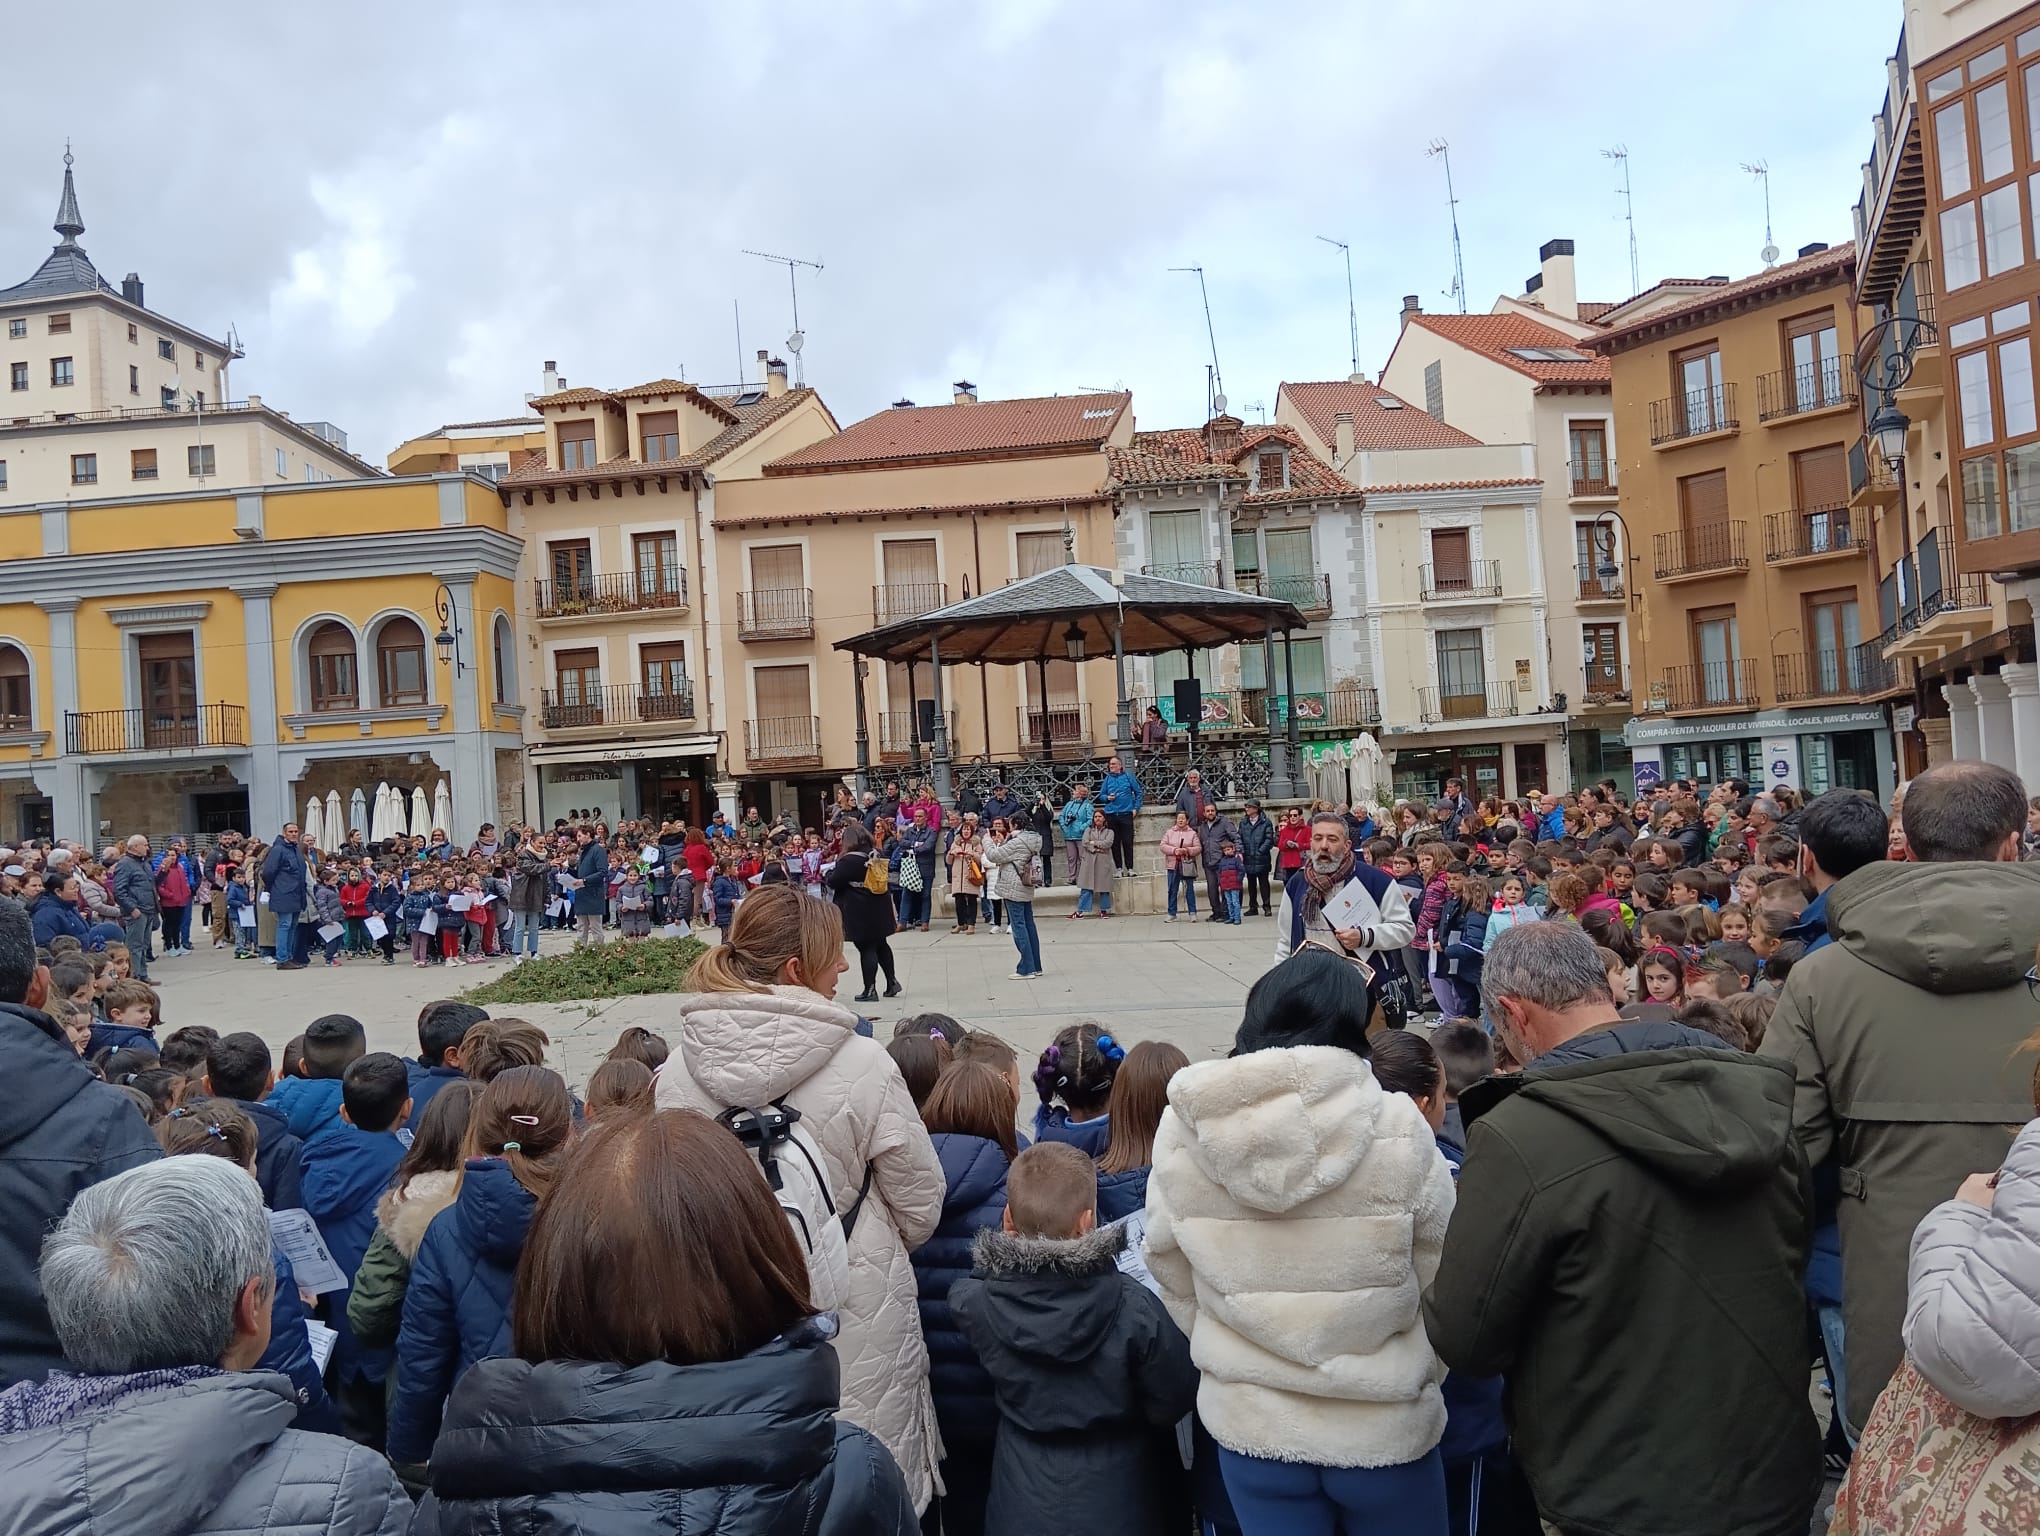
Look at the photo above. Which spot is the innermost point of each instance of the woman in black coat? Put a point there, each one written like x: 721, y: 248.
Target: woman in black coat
x: 591, y: 896
x: 868, y: 918
x: 668, y: 1372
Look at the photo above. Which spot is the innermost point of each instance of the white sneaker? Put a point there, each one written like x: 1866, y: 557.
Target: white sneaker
x: 1170, y: 918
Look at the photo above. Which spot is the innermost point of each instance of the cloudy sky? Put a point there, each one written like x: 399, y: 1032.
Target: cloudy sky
x: 404, y: 209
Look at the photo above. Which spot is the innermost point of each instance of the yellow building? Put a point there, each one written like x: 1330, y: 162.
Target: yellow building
x: 491, y: 449
x: 189, y: 662
x: 617, y: 592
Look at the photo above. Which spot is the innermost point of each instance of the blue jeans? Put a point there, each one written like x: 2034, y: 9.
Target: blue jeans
x: 1084, y: 902
x: 1232, y: 906
x: 286, y: 937
x: 1831, y: 1344
x: 1026, y: 938
x: 1184, y: 880
x: 913, y: 906
x: 523, y: 930
x: 1281, y: 1498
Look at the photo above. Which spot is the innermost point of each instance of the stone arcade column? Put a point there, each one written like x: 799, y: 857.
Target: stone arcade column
x: 1993, y: 718
x: 2022, y: 685
x: 269, y: 796
x: 474, y: 759
x: 64, y: 780
x: 1962, y: 723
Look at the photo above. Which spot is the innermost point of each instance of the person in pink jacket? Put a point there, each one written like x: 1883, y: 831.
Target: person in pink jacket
x: 1182, y: 857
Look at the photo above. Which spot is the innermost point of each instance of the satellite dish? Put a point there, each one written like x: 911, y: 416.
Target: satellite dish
x: 1218, y: 404
x: 793, y: 342
x: 1770, y: 255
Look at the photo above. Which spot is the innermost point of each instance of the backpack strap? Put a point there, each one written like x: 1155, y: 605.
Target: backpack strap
x: 857, y: 1205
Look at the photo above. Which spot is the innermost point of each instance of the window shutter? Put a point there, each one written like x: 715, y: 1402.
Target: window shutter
x: 1820, y: 477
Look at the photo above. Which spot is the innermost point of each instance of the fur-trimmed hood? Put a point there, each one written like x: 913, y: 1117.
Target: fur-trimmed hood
x: 997, y: 1254
x: 406, y: 1213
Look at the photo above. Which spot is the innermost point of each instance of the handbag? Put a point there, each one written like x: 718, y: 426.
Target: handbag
x: 1926, y: 1465
x: 910, y: 874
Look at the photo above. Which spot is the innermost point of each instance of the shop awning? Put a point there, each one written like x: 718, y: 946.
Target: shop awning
x: 702, y: 745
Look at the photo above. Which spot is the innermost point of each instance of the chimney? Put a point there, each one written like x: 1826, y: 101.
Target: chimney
x: 131, y: 289
x: 903, y: 404
x: 1555, y: 286
x: 1342, y: 439
x: 1805, y: 250
x: 966, y: 392
x: 254, y: 402
x: 1222, y: 438
x: 552, y: 378
x: 775, y: 377
x: 1411, y: 305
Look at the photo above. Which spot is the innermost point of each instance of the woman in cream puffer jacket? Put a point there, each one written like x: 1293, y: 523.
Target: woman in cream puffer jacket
x: 1296, y: 1212
x: 762, y: 1028
x: 1972, y: 1305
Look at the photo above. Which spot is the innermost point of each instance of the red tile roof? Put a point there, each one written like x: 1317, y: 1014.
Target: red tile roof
x: 1493, y: 335
x: 1381, y: 419
x: 1592, y: 309
x: 1049, y: 424
x: 1179, y: 454
x: 1832, y: 265
x: 1449, y: 485
x: 570, y: 397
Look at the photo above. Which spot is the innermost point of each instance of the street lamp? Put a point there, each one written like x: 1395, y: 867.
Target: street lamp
x: 447, y: 641
x: 1890, y: 426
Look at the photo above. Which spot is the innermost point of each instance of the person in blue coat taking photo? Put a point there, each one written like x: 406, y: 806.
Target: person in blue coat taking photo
x: 1119, y: 796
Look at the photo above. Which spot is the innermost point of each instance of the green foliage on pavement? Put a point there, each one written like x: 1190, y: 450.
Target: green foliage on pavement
x: 635, y: 969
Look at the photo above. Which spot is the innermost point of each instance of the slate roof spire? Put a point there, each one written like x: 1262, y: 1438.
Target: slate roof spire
x: 70, y: 223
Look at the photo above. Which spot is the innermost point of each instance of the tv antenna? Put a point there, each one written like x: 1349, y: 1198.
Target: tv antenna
x: 1621, y: 153
x: 796, y: 338
x: 1761, y: 169
x: 1440, y: 150
x: 1352, y: 313
x: 1216, y: 388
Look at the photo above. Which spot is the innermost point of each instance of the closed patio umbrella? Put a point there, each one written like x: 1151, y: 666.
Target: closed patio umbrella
x: 442, y: 808
x: 357, y: 812
x: 379, y: 821
x: 421, y: 813
x: 336, y: 827
x: 313, y: 828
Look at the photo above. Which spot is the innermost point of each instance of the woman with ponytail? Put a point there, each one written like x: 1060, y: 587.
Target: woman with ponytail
x: 762, y: 1027
x: 457, y: 1305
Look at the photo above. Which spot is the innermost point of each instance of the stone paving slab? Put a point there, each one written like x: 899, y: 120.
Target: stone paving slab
x: 1141, y: 977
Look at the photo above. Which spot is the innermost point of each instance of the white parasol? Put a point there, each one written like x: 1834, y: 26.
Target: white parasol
x: 357, y: 812
x: 336, y: 825
x: 421, y: 814
x: 379, y: 821
x: 442, y: 808
x: 313, y: 828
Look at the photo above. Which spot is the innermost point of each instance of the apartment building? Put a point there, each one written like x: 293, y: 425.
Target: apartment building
x: 619, y: 595
x: 1948, y: 466
x: 193, y: 661
x: 1255, y: 510
x: 889, y: 519
x: 1518, y: 377
x: 491, y: 449
x: 1753, y: 647
x: 107, y: 398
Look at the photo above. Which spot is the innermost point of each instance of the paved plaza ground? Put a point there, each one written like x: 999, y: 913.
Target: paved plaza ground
x: 1140, y: 976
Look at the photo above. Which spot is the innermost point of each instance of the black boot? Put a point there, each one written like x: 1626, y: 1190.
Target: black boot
x: 892, y: 989
x: 866, y: 996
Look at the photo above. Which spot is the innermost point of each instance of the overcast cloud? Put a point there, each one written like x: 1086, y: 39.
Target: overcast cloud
x: 405, y: 208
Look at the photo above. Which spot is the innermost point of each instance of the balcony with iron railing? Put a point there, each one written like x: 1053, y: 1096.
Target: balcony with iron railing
x: 1800, y: 390
x: 1707, y: 549
x: 897, y: 735
x: 613, y: 592
x: 786, y: 741
x: 614, y: 704
x: 1593, y: 487
x: 1930, y: 608
x: 195, y: 727
x: 1813, y: 533
x: 894, y: 601
x: 1067, y: 728
x: 1198, y: 573
x: 1310, y: 591
x: 1477, y: 579
x: 1594, y: 588
x: 1496, y: 701
x: 1712, y: 685
x: 1605, y: 689
x: 1349, y: 707
x: 1879, y: 674
x: 1800, y: 676
x: 776, y: 613
x: 1703, y: 413
x: 1871, y: 482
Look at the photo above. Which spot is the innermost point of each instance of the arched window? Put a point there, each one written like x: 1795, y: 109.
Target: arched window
x: 400, y: 664
x: 504, y: 659
x: 17, y: 709
x: 334, y: 683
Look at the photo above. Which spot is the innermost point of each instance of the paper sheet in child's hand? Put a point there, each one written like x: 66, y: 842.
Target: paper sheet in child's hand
x: 322, y: 1339
x: 1351, y: 907
x: 297, y: 1235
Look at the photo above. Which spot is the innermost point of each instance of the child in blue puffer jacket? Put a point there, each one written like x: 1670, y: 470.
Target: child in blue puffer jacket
x: 969, y: 1116
x: 1077, y: 1069
x: 457, y: 1307
x: 419, y: 900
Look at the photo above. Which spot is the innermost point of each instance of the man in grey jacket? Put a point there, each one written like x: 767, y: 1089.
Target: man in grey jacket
x: 134, y: 892
x: 159, y: 1284
x: 1213, y: 831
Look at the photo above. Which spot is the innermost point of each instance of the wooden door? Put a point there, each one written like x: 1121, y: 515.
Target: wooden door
x: 169, y: 666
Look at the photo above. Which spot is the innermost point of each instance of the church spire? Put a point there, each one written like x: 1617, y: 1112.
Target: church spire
x: 70, y: 223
